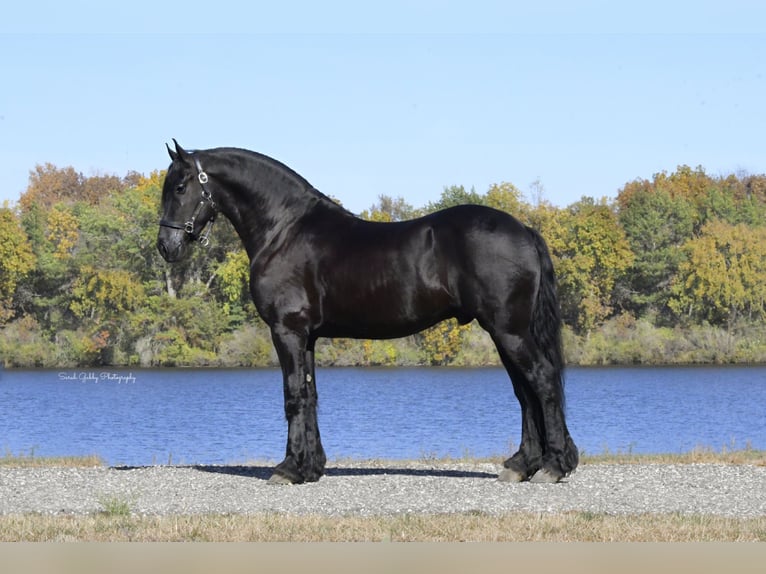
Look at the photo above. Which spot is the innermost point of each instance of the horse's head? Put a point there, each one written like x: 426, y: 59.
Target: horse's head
x: 188, y: 208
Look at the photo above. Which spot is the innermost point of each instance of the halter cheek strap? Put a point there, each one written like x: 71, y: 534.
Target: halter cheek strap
x: 207, y: 197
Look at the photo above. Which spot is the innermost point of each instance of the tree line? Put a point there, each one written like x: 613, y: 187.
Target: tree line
x: 673, y: 270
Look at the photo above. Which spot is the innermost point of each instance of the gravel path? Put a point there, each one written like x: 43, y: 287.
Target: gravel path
x: 387, y: 488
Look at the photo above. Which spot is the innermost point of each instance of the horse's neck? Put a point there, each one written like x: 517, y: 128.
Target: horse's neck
x: 250, y: 221
x: 262, y: 217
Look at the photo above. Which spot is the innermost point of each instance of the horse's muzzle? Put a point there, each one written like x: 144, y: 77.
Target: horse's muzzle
x: 170, y: 249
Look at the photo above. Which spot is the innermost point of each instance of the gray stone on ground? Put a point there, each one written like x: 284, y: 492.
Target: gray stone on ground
x: 387, y: 488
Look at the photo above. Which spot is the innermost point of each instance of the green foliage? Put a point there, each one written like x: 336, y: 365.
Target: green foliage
x: 456, y: 195
x: 114, y: 506
x: 233, y: 276
x: 722, y: 276
x: 404, y: 352
x: 591, y: 257
x: 672, y: 271
x: 249, y: 346
x: 442, y: 343
x: 656, y: 225
x: 24, y: 344
x: 379, y: 353
x: 16, y: 260
x: 389, y: 209
x: 505, y: 197
x: 102, y: 293
x: 83, y: 347
x: 62, y: 231
x: 623, y: 340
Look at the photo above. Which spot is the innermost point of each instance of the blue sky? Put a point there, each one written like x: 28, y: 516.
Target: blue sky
x: 401, y: 98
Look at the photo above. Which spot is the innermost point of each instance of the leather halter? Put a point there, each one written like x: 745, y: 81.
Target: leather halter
x: 188, y: 226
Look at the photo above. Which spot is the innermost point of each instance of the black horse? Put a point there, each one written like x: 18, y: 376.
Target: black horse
x: 316, y: 270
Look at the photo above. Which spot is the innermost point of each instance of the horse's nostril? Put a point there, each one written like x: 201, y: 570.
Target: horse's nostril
x: 162, y: 249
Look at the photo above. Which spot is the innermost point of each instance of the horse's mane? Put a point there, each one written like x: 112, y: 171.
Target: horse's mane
x: 300, y: 181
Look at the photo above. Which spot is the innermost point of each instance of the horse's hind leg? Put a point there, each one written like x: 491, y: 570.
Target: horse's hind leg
x: 546, y: 453
x: 528, y: 458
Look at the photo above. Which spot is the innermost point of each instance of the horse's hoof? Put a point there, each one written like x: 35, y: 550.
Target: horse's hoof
x: 543, y: 476
x: 279, y: 479
x: 510, y: 475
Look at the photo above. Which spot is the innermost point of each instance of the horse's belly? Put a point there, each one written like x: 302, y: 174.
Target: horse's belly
x: 384, y: 314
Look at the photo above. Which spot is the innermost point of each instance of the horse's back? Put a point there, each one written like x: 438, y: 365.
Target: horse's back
x: 478, y: 225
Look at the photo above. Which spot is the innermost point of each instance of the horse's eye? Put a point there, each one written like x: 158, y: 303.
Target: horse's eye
x: 180, y: 188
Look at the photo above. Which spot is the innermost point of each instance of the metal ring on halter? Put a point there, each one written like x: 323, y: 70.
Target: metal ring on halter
x: 201, y: 175
x: 203, y: 238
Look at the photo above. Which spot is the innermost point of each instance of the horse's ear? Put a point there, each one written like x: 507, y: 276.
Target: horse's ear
x: 179, y: 153
x: 173, y: 155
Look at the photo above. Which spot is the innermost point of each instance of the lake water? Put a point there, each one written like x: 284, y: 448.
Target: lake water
x: 144, y: 417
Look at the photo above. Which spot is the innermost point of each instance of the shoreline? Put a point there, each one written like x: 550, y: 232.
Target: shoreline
x: 100, y: 372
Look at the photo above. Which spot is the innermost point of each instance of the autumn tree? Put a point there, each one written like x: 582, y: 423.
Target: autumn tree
x: 754, y: 187
x: 455, y: 195
x: 44, y: 291
x: 233, y: 278
x: 97, y: 187
x: 50, y: 185
x: 16, y: 260
x: 506, y: 197
x: 693, y: 184
x: 442, y: 342
x: 100, y: 294
x: 590, y: 256
x: 80, y: 274
x: 723, y: 277
x: 656, y: 225
x: 62, y: 231
x: 752, y: 200
x: 389, y: 209
x: 728, y: 198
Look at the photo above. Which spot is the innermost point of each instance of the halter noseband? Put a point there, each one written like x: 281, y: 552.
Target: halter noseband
x: 207, y: 197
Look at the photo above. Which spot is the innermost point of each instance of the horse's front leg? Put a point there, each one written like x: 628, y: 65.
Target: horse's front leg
x: 304, y: 458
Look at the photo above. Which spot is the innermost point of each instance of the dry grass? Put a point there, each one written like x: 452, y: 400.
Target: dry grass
x: 32, y: 461
x: 696, y: 456
x: 746, y: 455
x: 517, y: 527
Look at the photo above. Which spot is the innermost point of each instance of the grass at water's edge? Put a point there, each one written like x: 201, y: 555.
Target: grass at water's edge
x: 32, y: 461
x: 696, y: 456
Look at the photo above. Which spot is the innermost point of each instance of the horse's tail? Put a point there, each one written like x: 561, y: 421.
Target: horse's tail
x: 546, y: 315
